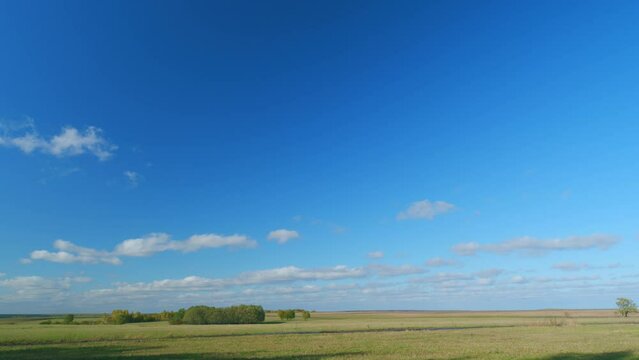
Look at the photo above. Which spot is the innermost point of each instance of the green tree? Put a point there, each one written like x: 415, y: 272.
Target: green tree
x: 626, y: 306
x: 306, y: 315
x: 176, y: 317
x: 239, y: 314
x: 120, y: 317
x: 286, y: 314
x: 68, y: 319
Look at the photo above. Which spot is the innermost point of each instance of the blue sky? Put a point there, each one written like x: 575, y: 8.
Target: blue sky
x: 324, y: 155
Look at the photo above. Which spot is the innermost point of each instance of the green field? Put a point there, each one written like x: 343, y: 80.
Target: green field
x: 550, y: 335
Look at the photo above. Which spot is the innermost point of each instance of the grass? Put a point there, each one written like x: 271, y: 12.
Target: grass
x: 548, y: 335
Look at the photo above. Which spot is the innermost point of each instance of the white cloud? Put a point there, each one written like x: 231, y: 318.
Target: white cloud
x: 132, y: 177
x: 71, y: 253
x: 437, y: 261
x: 144, y: 246
x: 72, y: 142
x: 538, y: 246
x: 376, y: 254
x: 425, y: 209
x: 69, y: 142
x: 259, y: 277
x: 282, y: 236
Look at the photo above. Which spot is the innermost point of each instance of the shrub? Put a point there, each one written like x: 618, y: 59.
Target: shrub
x: 556, y: 322
x: 68, y: 319
x: 286, y: 314
x: 306, y: 315
x: 45, y: 322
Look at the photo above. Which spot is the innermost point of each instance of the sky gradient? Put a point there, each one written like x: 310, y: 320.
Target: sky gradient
x: 322, y: 155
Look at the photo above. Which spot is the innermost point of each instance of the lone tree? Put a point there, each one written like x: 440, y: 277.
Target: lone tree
x: 68, y: 319
x: 626, y: 306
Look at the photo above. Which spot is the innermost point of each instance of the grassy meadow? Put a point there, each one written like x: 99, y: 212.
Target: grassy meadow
x: 549, y: 335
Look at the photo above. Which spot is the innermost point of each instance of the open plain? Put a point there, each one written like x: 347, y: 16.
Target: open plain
x: 549, y: 335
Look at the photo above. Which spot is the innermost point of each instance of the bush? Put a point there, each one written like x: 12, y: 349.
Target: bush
x: 240, y: 314
x: 68, y: 319
x: 45, y: 322
x: 286, y: 314
x: 306, y: 315
x: 119, y: 317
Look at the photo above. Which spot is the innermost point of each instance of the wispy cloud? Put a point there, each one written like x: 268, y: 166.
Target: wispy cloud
x: 69, y: 142
x: 572, y: 266
x: 425, y: 209
x: 28, y: 288
x: 67, y: 252
x: 287, y: 274
x: 483, y: 277
x: 438, y: 261
x: 532, y: 245
x: 282, y: 236
x: 392, y: 270
x: 336, y: 287
x: 132, y: 177
x: 376, y: 255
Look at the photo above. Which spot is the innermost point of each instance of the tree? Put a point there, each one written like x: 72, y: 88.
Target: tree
x: 68, y: 319
x: 626, y: 306
x: 286, y: 314
x: 175, y: 318
x: 306, y: 315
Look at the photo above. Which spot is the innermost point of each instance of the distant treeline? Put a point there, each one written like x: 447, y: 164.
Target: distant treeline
x: 195, y: 315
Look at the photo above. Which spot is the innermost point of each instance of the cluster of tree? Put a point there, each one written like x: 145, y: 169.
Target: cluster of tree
x: 201, y: 315
x: 119, y: 317
x: 290, y: 314
x: 626, y: 306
